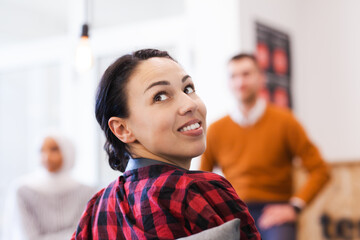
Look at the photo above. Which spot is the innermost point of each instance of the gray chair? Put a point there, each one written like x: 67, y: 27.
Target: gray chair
x: 229, y: 231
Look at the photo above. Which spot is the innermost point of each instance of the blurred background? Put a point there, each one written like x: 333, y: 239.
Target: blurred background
x: 40, y: 85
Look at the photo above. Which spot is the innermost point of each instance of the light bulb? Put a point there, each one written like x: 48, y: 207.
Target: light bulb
x: 83, y: 55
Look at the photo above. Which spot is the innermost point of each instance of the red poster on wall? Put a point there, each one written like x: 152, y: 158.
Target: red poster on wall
x: 273, y: 54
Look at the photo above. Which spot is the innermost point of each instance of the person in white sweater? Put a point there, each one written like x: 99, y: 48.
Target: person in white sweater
x: 48, y: 203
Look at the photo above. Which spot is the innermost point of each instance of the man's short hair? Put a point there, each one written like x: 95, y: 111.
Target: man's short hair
x: 242, y: 56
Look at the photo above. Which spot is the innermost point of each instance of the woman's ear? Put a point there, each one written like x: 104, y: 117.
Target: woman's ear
x: 119, y: 128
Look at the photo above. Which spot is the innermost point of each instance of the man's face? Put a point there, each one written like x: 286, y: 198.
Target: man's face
x: 245, y: 80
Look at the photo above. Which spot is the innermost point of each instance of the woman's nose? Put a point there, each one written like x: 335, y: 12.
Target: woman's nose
x: 45, y: 156
x: 187, y: 104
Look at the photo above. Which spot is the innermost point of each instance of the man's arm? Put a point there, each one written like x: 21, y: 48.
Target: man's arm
x: 301, y: 146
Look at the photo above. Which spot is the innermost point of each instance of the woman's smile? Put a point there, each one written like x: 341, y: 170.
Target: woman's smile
x: 192, y: 128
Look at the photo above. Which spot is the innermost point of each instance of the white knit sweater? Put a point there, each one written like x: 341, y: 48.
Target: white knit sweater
x: 41, y: 215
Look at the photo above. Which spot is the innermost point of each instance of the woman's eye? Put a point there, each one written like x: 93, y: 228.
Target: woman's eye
x: 189, y: 89
x: 54, y: 149
x: 160, y: 97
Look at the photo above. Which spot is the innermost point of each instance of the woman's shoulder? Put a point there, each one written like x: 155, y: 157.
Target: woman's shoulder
x: 182, y: 179
x: 190, y: 176
x: 207, y: 180
x: 210, y: 186
x: 198, y: 175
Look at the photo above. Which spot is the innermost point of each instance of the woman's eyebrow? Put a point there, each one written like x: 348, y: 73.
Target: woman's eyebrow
x: 184, y: 78
x: 163, y: 82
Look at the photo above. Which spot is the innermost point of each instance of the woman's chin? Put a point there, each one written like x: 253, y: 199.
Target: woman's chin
x: 197, y: 151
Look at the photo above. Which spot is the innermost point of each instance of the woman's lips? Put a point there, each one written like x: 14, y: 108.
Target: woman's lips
x: 192, y: 128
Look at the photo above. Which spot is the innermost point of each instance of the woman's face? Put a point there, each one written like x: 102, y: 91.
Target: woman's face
x: 51, y: 156
x: 167, y: 118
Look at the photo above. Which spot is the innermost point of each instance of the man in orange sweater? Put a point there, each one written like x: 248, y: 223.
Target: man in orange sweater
x: 255, y: 146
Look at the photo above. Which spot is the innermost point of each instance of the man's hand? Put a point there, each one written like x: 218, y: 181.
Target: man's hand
x: 277, y: 214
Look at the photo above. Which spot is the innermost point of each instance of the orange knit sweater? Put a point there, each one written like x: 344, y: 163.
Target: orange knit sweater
x: 257, y: 159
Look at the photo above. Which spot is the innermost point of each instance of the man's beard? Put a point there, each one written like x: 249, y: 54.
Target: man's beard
x: 250, y: 99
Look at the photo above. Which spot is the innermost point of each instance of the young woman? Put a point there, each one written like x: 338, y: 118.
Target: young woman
x: 47, y: 203
x: 155, y: 124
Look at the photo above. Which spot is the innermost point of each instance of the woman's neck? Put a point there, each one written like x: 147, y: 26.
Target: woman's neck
x: 138, y: 151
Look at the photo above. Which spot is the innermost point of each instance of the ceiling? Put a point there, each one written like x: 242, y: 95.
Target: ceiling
x: 24, y: 20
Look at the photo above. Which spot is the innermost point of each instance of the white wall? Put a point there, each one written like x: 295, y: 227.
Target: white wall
x: 329, y: 77
x: 213, y: 30
x: 326, y: 80
x: 213, y: 35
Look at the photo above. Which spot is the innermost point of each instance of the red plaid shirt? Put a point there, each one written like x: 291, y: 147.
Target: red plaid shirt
x: 163, y: 202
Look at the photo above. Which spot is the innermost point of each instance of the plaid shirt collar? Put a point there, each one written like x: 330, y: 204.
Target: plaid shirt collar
x: 135, y: 163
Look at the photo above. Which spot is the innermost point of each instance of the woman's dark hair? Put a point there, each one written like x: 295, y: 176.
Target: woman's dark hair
x: 111, y: 101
